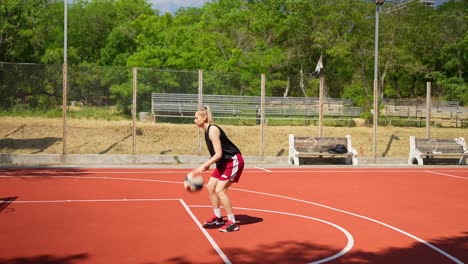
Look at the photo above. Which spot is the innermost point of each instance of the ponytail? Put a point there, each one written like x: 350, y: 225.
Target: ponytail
x: 209, y: 115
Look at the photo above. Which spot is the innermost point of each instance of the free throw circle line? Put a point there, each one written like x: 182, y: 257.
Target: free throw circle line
x: 349, y: 237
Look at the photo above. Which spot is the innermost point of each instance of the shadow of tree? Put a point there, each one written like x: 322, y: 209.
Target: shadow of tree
x: 418, y: 252
x: 305, y: 252
x: 47, y: 259
x: 43, y: 172
x: 40, y: 144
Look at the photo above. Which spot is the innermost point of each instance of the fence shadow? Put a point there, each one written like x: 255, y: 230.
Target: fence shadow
x: 39, y: 144
x: 115, y: 144
x: 389, y: 144
x: 5, y: 202
x: 47, y: 259
x: 43, y: 172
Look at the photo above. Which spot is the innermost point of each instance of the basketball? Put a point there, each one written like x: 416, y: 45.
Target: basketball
x: 193, y: 183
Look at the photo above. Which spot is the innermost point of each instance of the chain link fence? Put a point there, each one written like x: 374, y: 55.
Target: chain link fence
x: 31, y: 93
x: 120, y: 110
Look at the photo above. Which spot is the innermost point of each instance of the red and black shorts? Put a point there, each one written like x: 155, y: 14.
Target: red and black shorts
x: 230, y: 170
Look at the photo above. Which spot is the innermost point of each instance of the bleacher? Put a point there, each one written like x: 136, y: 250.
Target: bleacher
x: 232, y: 106
x: 174, y: 104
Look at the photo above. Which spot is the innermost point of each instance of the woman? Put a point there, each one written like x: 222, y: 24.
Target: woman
x: 229, y: 166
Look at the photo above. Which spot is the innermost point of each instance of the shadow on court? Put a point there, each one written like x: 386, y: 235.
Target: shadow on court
x: 47, y: 259
x: 43, y: 172
x: 247, y: 219
x: 304, y: 252
x: 5, y: 202
x: 241, y: 220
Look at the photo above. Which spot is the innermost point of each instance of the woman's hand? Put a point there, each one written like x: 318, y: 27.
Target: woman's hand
x: 200, y: 169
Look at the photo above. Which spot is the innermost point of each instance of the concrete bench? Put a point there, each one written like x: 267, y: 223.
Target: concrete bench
x: 428, y: 149
x: 318, y: 147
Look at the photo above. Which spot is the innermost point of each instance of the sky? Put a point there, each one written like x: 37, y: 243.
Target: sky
x: 172, y: 5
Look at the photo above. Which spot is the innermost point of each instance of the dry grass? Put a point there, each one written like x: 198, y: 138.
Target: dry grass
x: 40, y: 135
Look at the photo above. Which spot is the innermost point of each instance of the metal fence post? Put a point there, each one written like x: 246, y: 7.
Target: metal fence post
x: 262, y: 115
x: 428, y: 110
x: 321, y: 98
x: 64, y: 108
x: 200, y: 103
x: 134, y: 110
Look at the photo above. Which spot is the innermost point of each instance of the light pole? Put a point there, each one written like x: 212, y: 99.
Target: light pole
x: 378, y: 5
x: 65, y: 76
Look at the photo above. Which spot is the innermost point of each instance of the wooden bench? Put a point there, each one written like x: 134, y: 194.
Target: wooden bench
x: 428, y: 149
x: 318, y: 147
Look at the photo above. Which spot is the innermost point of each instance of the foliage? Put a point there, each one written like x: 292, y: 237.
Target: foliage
x: 274, y: 37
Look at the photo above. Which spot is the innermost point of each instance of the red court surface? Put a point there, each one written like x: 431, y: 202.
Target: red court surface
x: 304, y: 215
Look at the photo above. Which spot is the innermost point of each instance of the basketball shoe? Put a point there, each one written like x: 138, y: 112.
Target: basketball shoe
x: 229, y: 227
x: 214, y: 220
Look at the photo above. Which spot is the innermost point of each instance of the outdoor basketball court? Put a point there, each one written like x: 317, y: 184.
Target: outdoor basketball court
x: 287, y: 215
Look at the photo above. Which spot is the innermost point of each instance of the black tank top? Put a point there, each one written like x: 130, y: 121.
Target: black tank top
x: 229, y: 149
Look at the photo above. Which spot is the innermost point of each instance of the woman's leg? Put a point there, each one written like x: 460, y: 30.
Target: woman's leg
x: 220, y: 190
x: 211, y: 187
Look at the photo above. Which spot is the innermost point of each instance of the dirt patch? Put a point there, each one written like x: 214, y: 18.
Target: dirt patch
x: 24, y: 135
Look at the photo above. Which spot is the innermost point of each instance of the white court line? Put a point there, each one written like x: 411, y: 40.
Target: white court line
x: 377, y: 172
x: 207, y: 235
x: 349, y: 237
x: 447, y: 175
x: 347, y: 248
x: 90, y: 200
x: 317, y: 204
x: 363, y: 217
x: 99, y: 178
x: 259, y: 170
x: 262, y: 169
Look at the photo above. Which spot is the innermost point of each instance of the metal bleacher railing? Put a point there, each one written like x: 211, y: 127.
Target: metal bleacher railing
x: 171, y: 104
x: 176, y: 104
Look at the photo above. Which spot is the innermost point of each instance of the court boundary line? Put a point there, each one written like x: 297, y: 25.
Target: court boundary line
x: 184, y: 205
x: 454, y: 259
x: 262, y: 169
x: 346, y: 249
x: 447, y: 175
x: 92, y: 200
x: 207, y: 235
x: 256, y: 169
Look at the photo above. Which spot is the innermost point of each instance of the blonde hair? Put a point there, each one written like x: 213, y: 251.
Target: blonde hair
x: 205, y: 111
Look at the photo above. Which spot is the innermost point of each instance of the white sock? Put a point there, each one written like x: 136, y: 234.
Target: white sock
x: 232, y: 218
x: 217, y: 212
